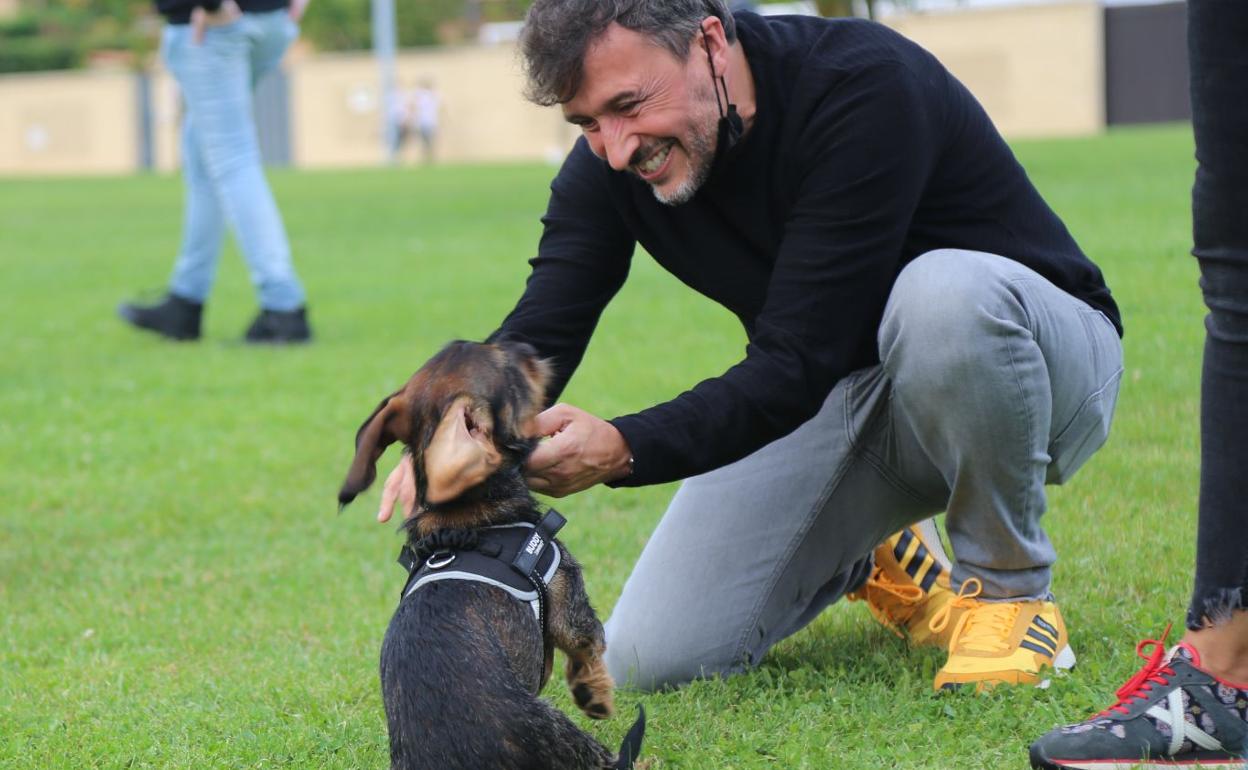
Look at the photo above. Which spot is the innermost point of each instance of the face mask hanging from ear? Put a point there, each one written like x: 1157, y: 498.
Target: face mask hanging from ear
x: 731, y: 127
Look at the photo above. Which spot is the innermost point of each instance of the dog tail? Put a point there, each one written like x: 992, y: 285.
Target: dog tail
x: 630, y: 748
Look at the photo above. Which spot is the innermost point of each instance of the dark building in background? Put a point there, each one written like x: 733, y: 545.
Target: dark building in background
x: 1146, y: 64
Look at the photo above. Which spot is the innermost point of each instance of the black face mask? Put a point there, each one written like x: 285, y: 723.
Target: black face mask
x: 731, y: 127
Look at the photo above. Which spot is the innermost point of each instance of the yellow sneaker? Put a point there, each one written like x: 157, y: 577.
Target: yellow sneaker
x: 910, y: 585
x: 1001, y: 642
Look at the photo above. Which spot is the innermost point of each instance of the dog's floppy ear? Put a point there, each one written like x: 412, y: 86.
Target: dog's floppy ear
x: 461, y: 453
x: 520, y: 397
x: 389, y: 422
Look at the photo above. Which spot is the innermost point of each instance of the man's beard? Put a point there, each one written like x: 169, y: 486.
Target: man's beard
x: 699, y: 150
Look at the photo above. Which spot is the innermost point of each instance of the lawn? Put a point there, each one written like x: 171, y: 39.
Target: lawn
x: 178, y: 589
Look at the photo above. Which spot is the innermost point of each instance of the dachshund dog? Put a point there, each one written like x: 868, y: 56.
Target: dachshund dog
x: 464, y: 659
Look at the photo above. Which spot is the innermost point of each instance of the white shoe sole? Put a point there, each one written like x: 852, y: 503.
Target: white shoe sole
x: 1118, y: 764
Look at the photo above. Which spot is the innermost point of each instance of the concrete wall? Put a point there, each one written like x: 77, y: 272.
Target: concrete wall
x: 1038, y: 70
x: 90, y: 122
x: 166, y: 121
x: 337, y: 110
x: 69, y: 123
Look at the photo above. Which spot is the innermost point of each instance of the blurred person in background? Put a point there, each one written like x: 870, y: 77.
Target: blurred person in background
x: 1188, y: 706
x: 218, y: 50
x: 427, y: 104
x: 402, y: 110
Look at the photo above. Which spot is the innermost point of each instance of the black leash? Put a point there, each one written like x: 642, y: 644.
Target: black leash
x: 526, y: 560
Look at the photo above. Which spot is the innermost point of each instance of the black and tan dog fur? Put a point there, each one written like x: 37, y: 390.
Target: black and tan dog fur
x: 462, y: 662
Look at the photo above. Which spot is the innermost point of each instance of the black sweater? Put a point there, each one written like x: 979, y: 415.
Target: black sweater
x: 864, y: 153
x: 179, y: 11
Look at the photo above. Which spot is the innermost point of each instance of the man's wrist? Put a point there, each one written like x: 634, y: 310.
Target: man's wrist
x: 623, y: 467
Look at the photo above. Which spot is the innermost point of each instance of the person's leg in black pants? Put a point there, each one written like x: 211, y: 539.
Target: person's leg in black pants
x: 1190, y: 706
x: 1218, y: 48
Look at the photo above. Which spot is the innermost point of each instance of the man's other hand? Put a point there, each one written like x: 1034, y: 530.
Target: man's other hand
x: 400, y: 488
x: 202, y: 19
x: 579, y: 451
x: 297, y: 9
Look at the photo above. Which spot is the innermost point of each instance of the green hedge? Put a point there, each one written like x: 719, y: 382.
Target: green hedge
x: 23, y: 25
x: 32, y: 54
x: 60, y: 34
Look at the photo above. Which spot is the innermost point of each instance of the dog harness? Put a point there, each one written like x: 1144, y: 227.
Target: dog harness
x: 519, y: 558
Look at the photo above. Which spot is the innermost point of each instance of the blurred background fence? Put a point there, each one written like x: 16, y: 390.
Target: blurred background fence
x: 1044, y: 69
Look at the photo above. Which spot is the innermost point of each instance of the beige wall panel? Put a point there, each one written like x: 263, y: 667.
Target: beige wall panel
x: 1037, y: 69
x: 166, y: 117
x: 336, y: 108
x: 68, y: 123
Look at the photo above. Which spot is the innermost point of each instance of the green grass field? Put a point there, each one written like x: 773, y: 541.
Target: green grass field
x: 178, y: 590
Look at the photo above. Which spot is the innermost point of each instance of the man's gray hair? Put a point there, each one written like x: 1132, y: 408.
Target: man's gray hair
x: 557, y: 33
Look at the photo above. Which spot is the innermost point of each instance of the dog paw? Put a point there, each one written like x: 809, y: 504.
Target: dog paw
x: 593, y: 704
x: 592, y: 688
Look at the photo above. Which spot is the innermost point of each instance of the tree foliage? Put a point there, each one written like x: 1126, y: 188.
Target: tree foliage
x: 338, y: 25
x: 344, y: 25
x: 61, y: 34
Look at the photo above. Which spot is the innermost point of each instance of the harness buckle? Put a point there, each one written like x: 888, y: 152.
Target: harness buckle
x: 440, y: 559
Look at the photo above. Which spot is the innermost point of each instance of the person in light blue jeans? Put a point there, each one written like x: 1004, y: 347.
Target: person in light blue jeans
x: 217, y: 56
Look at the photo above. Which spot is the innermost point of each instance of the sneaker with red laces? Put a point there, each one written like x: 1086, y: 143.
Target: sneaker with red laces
x: 1170, y: 714
x: 909, y: 584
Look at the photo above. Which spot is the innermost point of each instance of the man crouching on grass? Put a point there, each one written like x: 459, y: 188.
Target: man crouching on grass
x: 924, y: 335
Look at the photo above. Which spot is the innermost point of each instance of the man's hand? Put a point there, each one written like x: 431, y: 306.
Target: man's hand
x: 202, y: 19
x: 581, y: 450
x: 297, y: 9
x: 400, y: 487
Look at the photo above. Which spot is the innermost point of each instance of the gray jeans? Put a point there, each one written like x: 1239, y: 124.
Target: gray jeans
x: 993, y: 382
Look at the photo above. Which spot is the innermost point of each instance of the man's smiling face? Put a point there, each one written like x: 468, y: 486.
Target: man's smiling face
x: 647, y: 112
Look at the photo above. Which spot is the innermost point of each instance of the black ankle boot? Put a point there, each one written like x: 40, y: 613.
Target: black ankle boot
x: 172, y: 317
x: 280, y: 327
